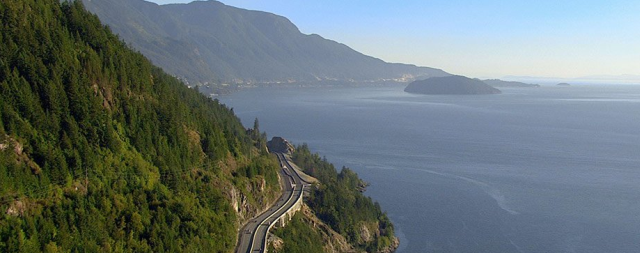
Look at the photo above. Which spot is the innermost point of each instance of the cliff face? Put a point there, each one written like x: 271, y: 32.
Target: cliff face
x: 280, y: 145
x: 334, y: 242
x: 451, y: 85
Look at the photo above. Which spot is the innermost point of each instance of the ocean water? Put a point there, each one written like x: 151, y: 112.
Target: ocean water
x: 550, y: 169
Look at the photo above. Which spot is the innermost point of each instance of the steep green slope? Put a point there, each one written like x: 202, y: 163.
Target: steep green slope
x: 340, y: 203
x: 102, y: 151
x: 207, y: 41
x: 298, y: 237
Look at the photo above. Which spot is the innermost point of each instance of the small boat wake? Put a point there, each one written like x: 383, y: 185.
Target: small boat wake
x: 491, y: 191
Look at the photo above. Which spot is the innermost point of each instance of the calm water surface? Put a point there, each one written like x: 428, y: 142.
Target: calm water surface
x: 550, y: 169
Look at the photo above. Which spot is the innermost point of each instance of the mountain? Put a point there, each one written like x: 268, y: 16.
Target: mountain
x: 593, y: 79
x: 101, y: 151
x: 611, y: 79
x: 497, y: 83
x: 450, y: 85
x: 209, y: 42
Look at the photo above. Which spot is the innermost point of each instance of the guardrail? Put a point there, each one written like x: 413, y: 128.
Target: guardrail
x: 293, y: 169
x: 264, y: 243
x: 266, y: 219
x: 295, y: 205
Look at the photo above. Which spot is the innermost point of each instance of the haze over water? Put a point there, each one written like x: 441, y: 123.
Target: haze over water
x: 550, y: 169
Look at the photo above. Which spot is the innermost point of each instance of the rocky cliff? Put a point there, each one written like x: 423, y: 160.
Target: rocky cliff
x: 280, y: 145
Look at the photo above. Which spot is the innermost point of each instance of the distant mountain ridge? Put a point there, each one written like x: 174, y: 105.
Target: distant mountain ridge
x: 593, y: 79
x: 207, y: 41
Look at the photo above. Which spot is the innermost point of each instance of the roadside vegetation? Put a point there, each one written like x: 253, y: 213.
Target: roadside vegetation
x: 340, y: 203
x: 298, y: 237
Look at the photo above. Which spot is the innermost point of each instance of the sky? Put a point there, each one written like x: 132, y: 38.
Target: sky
x: 477, y: 38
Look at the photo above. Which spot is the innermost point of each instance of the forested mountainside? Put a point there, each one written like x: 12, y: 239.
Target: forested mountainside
x: 102, y: 151
x: 340, y: 204
x: 207, y: 41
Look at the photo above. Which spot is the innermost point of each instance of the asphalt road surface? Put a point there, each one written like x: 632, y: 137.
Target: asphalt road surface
x: 253, y: 235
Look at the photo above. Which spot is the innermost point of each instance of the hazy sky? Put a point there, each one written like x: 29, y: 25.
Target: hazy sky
x: 478, y: 38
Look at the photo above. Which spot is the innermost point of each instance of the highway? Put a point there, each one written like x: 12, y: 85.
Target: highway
x: 253, y: 236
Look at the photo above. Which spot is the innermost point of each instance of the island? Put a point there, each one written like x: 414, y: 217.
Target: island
x: 497, y: 83
x: 451, y: 85
x: 563, y: 84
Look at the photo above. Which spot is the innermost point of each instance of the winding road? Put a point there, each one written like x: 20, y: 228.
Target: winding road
x: 253, y: 236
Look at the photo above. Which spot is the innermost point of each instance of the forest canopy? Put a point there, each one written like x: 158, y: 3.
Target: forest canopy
x: 102, y: 151
x: 340, y: 203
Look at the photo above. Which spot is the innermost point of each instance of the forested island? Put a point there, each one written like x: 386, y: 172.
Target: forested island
x: 102, y: 151
x: 497, y: 83
x: 450, y: 85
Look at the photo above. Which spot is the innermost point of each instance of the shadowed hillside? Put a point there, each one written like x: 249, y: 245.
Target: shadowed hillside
x: 207, y: 41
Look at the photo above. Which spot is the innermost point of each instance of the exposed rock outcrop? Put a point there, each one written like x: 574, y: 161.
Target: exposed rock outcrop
x: 333, y: 241
x: 276, y: 242
x: 241, y: 203
x: 280, y: 145
x: 11, y: 144
x: 17, y: 208
x: 365, y: 233
x: 392, y: 248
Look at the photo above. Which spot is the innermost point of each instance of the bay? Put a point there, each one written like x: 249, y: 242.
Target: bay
x: 549, y: 169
